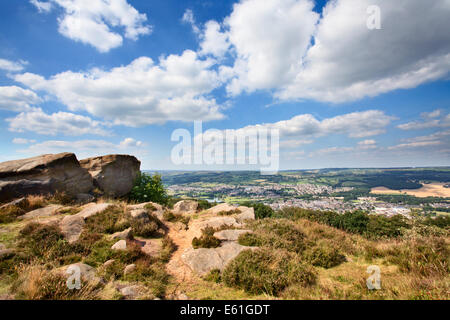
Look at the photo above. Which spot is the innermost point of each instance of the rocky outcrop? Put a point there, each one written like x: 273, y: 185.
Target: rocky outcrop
x: 230, y: 235
x: 113, y: 174
x: 43, y: 175
x: 185, y: 207
x: 42, y: 212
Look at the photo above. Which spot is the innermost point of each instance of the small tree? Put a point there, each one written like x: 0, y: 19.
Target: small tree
x: 149, y: 188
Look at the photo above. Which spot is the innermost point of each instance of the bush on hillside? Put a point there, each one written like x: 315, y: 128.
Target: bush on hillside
x: 267, y: 271
x: 149, y: 188
x: 261, y: 210
x: 207, y: 239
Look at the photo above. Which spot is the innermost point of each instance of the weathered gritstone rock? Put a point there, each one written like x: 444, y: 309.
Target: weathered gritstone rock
x: 223, y: 207
x: 133, y: 292
x: 16, y: 203
x: 113, y: 174
x: 217, y: 222
x: 230, y: 235
x: 129, y: 269
x: 246, y: 214
x: 42, y: 212
x: 139, y: 210
x: 185, y: 207
x: 120, y: 245
x: 123, y: 235
x: 72, y: 226
x: 203, y: 260
x: 43, y: 175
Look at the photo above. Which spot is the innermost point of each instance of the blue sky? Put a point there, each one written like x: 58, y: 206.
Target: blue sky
x: 119, y: 76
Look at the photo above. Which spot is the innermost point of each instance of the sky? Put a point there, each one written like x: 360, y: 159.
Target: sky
x: 346, y: 83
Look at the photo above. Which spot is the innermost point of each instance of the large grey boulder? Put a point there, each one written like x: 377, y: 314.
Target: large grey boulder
x: 185, y: 206
x: 42, y: 212
x: 113, y: 174
x: 43, y: 175
x: 223, y: 207
x: 203, y: 260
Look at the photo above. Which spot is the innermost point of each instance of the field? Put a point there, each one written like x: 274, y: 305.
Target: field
x: 428, y: 190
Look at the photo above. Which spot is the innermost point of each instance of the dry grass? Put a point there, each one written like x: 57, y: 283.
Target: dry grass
x: 428, y: 190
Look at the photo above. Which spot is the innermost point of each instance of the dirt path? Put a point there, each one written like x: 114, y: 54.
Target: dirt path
x: 176, y: 267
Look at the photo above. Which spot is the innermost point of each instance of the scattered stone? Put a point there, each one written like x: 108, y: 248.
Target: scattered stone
x: 92, y: 209
x: 43, y: 175
x: 123, y: 235
x: 42, y: 212
x: 6, y: 296
x: 129, y: 269
x: 246, y: 214
x: 133, y: 292
x: 218, y: 222
x: 109, y: 263
x: 120, y: 245
x: 185, y: 206
x: 71, y: 227
x: 113, y: 174
x: 141, y: 214
x: 230, y: 235
x: 223, y: 207
x: 16, y: 203
x: 157, y: 210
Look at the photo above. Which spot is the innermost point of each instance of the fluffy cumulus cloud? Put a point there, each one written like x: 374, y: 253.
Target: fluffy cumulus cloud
x: 12, y: 66
x: 285, y: 47
x: 60, y: 123
x: 13, y: 98
x: 140, y: 93
x: 302, y: 129
x: 434, y: 119
x: 98, y: 23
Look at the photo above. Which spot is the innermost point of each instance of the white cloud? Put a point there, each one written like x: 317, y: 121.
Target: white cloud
x: 12, y: 66
x: 13, y: 98
x: 300, y: 129
x: 440, y: 139
x: 22, y: 141
x: 433, y: 119
x: 60, y: 123
x: 95, y: 22
x: 270, y: 38
x: 42, y: 6
x: 83, y: 148
x: 188, y: 17
x: 285, y: 47
x: 140, y: 93
x: 213, y: 40
x: 130, y: 142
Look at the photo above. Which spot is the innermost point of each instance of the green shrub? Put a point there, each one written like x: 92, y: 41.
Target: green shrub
x: 40, y: 240
x: 440, y: 222
x: 149, y: 188
x: 207, y: 240
x: 10, y: 214
x: 214, y: 276
x: 267, y: 271
x: 167, y: 248
x: 324, y: 256
x: 229, y: 213
x: 261, y: 210
x: 276, y: 234
x: 106, y: 221
x: 422, y: 256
